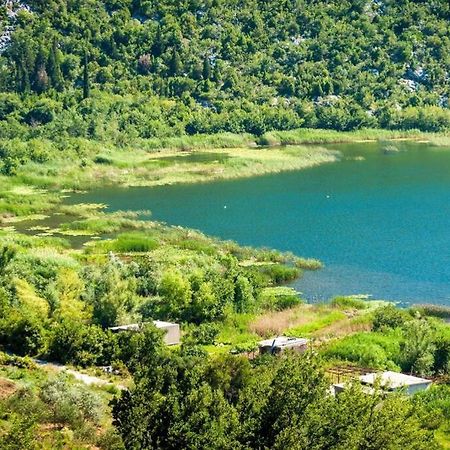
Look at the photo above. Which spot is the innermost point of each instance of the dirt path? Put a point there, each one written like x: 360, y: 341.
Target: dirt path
x: 84, y: 378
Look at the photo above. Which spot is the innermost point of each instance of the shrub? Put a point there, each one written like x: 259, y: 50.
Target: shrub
x: 21, y: 435
x: 70, y: 404
x: 389, y: 317
x: 442, y: 355
x: 85, y: 345
x: 9, y: 104
x: 203, y: 334
x: 279, y: 298
x: 245, y: 347
x: 436, y: 398
x: 110, y: 440
x: 418, y: 347
x: 42, y: 113
x: 279, y: 273
x: 197, y: 246
x: 102, y: 159
x: 22, y: 335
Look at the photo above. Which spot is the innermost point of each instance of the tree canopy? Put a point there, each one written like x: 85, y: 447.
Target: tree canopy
x: 158, y: 68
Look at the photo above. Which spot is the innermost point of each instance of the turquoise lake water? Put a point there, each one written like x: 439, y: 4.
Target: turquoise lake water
x: 381, y: 225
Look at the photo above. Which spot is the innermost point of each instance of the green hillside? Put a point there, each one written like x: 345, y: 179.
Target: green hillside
x: 167, y: 68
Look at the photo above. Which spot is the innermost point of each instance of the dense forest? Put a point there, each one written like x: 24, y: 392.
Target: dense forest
x: 109, y: 69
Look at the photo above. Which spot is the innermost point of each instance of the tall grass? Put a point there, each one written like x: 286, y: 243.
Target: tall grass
x: 308, y: 263
x: 324, y: 319
x: 300, y: 321
x: 134, y: 242
x: 440, y: 311
x: 201, y: 141
x: 349, y: 302
x: 317, y: 136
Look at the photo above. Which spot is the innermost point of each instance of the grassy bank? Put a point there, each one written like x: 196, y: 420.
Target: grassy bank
x: 36, y: 186
x: 312, y: 136
x: 300, y: 136
x: 138, y: 167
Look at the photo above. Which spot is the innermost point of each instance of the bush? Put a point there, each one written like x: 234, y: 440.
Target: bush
x: 436, y: 398
x: 426, y: 118
x: 17, y: 361
x: 70, y: 404
x: 279, y: 273
x: 102, y: 159
x: 9, y: 104
x: 418, y: 347
x: 84, y: 345
x: 42, y: 113
x: 197, y: 246
x: 389, y: 317
x: 22, y: 335
x: 110, y: 440
x: 279, y: 298
x: 21, y: 435
x: 204, y: 334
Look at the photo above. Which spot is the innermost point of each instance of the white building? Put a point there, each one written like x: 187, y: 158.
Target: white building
x: 281, y: 343
x: 389, y: 382
x: 172, y: 334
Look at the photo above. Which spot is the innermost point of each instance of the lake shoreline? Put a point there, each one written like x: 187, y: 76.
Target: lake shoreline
x: 324, y: 212
x: 37, y: 188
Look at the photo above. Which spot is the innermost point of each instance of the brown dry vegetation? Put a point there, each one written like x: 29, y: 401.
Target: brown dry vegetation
x: 277, y: 322
x: 317, y: 321
x: 7, y: 388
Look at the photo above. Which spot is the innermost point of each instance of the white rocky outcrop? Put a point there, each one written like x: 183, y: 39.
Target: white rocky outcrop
x: 13, y: 8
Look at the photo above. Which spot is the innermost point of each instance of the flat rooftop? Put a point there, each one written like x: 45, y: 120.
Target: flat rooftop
x: 132, y: 327
x: 393, y: 380
x: 162, y: 324
x: 136, y: 326
x: 283, y: 342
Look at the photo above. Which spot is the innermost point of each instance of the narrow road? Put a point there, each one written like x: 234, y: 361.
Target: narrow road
x: 86, y: 379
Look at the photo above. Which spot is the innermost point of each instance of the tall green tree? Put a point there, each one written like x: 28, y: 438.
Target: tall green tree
x: 54, y: 67
x: 206, y: 72
x: 86, y: 80
x: 175, y: 65
x: 41, y: 80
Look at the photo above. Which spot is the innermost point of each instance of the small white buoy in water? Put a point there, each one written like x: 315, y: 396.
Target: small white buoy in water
x: 225, y: 207
x: 328, y: 196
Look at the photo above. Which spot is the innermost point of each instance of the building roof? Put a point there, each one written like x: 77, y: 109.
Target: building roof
x: 393, y: 380
x: 130, y: 327
x: 342, y: 386
x: 137, y: 326
x: 283, y: 342
x: 162, y: 324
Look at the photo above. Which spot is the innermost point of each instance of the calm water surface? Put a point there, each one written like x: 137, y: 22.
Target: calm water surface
x: 381, y: 225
